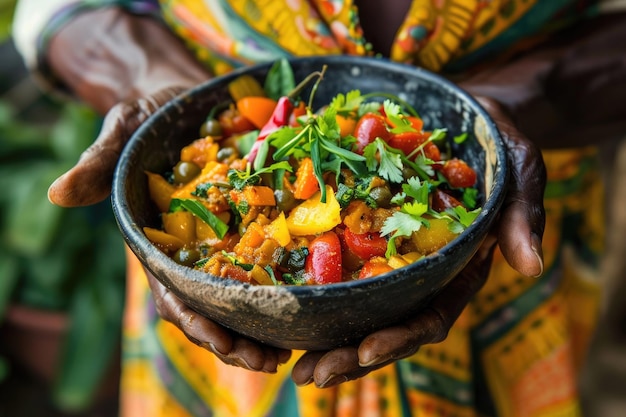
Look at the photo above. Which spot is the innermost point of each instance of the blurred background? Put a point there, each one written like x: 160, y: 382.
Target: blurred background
x: 62, y: 270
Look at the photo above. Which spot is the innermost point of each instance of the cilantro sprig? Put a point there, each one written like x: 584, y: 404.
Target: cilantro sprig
x: 320, y: 139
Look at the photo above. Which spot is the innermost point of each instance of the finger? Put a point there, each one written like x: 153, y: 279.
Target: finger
x: 274, y: 357
x: 200, y: 330
x: 338, y: 366
x: 230, y: 349
x: 89, y: 181
x: 302, y: 372
x: 522, y: 219
x: 433, y: 323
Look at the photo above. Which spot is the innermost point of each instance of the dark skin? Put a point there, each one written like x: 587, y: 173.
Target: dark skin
x: 127, y: 66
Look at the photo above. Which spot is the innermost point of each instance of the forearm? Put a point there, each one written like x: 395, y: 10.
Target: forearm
x: 109, y: 55
x: 568, y: 91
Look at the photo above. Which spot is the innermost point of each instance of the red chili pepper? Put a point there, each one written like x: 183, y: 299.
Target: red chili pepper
x: 280, y: 118
x: 282, y: 112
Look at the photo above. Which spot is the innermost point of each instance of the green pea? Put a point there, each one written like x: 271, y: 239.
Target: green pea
x: 185, y: 172
x: 382, y: 196
x: 187, y: 257
x: 211, y: 127
x: 225, y: 153
x: 285, y: 200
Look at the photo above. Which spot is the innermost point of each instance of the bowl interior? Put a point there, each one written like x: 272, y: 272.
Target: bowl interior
x: 324, y: 316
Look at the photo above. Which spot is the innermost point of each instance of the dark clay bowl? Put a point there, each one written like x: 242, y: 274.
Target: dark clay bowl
x: 312, y: 317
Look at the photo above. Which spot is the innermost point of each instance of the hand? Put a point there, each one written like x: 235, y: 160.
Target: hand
x: 229, y: 347
x: 518, y: 233
x: 123, y: 65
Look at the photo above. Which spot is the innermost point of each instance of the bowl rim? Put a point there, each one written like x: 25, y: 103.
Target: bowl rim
x: 142, y: 245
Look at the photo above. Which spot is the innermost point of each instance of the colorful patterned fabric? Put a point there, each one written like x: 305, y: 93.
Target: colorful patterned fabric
x: 516, y: 349
x: 438, y: 35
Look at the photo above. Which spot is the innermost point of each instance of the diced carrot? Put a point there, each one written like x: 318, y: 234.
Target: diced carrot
x: 257, y: 110
x: 259, y: 195
x: 253, y: 236
x: 346, y: 125
x: 373, y: 267
x: 306, y: 183
x: 200, y: 151
x: 212, y: 172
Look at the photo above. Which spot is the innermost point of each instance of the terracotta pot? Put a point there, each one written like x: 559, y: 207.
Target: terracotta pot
x: 34, y: 338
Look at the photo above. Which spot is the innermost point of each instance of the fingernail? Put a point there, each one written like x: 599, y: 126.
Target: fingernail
x: 333, y: 380
x: 212, y: 348
x: 307, y: 382
x: 376, y: 360
x: 538, y: 251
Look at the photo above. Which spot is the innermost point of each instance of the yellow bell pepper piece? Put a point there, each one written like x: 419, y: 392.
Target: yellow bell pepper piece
x: 164, y: 241
x: 181, y: 224
x: 279, y: 230
x: 312, y: 216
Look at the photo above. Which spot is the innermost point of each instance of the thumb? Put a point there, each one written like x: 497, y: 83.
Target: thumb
x: 89, y: 181
x: 522, y: 220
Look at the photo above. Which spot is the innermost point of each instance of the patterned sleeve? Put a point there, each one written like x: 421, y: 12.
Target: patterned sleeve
x: 36, y: 21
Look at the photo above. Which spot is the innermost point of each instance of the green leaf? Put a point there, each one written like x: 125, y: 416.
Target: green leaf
x: 461, y: 214
x: 96, y: 313
x: 279, y: 80
x: 237, y: 262
x: 390, y: 165
x: 199, y: 210
x: 394, y: 113
x: 399, y: 224
x: 417, y: 190
x: 348, y: 103
x: 9, y: 271
x: 460, y: 138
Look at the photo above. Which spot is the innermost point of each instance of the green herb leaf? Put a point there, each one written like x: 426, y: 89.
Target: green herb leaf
x: 199, y: 210
x: 279, y: 80
x: 394, y: 113
x: 236, y: 262
x: 460, y: 138
x: 390, y: 165
x: 400, y: 224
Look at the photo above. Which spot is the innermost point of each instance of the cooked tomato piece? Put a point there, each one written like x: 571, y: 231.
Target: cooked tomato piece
x: 373, y: 267
x: 407, y: 142
x: 365, y: 245
x: 368, y: 128
x: 458, y: 173
x: 442, y: 200
x: 232, y: 122
x: 323, y: 264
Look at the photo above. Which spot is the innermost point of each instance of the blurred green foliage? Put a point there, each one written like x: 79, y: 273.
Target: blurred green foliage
x: 6, y: 14
x: 51, y: 258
